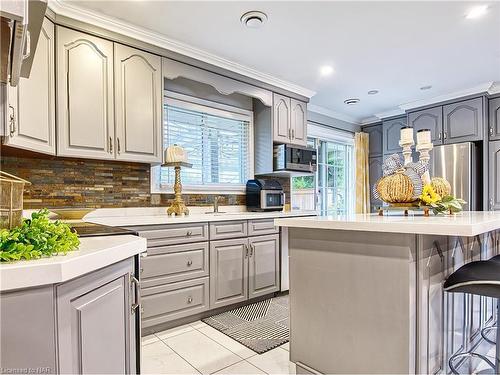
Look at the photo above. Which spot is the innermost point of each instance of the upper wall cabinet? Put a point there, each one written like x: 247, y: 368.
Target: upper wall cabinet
x: 375, y: 140
x: 432, y: 119
x: 289, y: 120
x: 494, y: 119
x: 31, y: 118
x: 298, y: 122
x: 463, y: 121
x: 85, y: 115
x: 138, y: 104
x: 392, y: 134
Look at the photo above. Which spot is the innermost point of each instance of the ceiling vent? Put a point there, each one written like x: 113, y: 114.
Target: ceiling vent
x: 351, y: 101
x: 253, y: 19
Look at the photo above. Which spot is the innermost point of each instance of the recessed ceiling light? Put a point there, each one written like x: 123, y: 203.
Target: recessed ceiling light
x: 373, y: 92
x: 428, y: 87
x: 326, y: 70
x: 351, y: 101
x: 476, y: 12
x: 253, y: 19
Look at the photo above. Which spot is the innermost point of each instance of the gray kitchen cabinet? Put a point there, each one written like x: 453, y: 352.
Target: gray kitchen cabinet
x: 228, y: 229
x: 84, y: 101
x: 375, y: 141
x: 392, y: 134
x: 281, y: 118
x: 138, y: 105
x: 264, y: 268
x: 262, y: 226
x: 494, y: 119
x: 228, y: 272
x: 463, y: 121
x: 96, y: 321
x: 494, y: 175
x: 375, y: 173
x: 298, y: 124
x: 173, y: 234
x: 31, y: 105
x: 431, y: 119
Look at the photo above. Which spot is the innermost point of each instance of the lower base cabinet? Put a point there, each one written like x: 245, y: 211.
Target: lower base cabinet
x: 243, y: 268
x: 83, y: 326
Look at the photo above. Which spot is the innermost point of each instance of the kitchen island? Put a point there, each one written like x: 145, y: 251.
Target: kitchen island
x: 366, y: 291
x: 73, y: 313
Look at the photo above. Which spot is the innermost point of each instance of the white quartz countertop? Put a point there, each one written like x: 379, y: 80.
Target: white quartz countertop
x: 138, y: 220
x: 463, y: 224
x: 94, y: 253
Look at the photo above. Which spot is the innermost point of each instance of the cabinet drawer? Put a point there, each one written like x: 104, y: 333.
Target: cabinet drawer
x: 167, y: 264
x: 228, y: 229
x: 176, y: 234
x: 261, y: 226
x: 173, y: 301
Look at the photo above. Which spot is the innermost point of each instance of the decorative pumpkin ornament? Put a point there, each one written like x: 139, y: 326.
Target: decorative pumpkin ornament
x: 441, y: 186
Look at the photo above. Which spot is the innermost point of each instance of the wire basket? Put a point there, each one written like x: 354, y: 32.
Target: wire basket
x: 11, y: 200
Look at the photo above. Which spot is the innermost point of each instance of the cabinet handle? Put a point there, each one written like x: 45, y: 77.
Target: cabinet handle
x: 110, y: 145
x: 293, y: 133
x: 189, y: 263
x: 445, y: 135
x: 252, y: 250
x: 491, y: 132
x: 439, y: 136
x: 246, y: 251
x: 12, y: 121
x: 189, y: 233
x: 118, y: 148
x: 190, y: 300
x: 289, y: 133
x: 137, y: 290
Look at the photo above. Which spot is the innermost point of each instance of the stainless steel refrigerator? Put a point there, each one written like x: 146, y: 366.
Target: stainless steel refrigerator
x: 458, y: 163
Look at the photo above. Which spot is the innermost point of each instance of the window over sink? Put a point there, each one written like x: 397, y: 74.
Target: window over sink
x: 218, y: 141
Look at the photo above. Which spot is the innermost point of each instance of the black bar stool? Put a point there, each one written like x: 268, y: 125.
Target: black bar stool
x: 480, y: 278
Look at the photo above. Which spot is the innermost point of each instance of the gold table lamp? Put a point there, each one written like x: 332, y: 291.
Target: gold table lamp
x: 178, y: 207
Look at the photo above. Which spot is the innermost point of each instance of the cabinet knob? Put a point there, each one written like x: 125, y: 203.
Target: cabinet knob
x: 189, y: 263
x: 190, y: 299
x: 189, y: 233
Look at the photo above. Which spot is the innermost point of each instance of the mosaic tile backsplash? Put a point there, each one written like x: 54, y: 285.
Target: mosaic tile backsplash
x: 68, y: 182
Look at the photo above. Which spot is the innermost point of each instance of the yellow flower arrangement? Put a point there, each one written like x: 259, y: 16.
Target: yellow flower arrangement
x: 429, y: 196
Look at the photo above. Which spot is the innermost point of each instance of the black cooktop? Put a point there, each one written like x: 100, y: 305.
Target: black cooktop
x: 91, y: 230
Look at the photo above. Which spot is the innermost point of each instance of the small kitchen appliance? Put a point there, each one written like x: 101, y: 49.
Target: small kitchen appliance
x: 264, y: 195
x: 294, y: 159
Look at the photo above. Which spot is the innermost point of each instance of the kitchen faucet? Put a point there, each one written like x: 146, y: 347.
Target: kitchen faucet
x: 216, y: 204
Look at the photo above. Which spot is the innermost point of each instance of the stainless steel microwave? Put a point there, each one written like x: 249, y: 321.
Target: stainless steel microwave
x: 294, y: 159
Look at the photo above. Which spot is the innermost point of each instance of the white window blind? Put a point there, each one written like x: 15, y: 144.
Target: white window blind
x: 217, y: 146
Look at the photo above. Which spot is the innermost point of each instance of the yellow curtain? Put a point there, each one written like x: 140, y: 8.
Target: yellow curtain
x: 361, y: 141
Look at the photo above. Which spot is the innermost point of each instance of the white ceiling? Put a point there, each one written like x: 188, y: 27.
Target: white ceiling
x: 395, y: 47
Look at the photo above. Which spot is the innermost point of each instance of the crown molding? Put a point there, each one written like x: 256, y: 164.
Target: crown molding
x: 63, y: 8
x: 328, y: 112
x: 479, y: 89
x: 391, y: 113
x: 495, y: 88
x: 369, y: 120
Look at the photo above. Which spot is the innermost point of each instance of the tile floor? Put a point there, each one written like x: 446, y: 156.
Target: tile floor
x: 200, y: 349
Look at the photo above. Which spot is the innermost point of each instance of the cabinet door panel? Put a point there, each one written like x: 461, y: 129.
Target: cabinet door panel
x: 494, y: 119
x: 281, y: 119
x: 84, y: 95
x: 494, y: 175
x: 299, y: 122
x: 432, y: 119
x: 375, y: 171
x: 392, y: 134
x: 375, y: 140
x: 33, y: 100
x: 138, y: 90
x: 228, y: 272
x: 463, y: 121
x: 264, y: 272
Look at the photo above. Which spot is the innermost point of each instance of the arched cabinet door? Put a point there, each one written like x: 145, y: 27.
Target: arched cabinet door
x: 431, y: 119
x: 138, y: 104
x: 85, y: 115
x: 298, y: 122
x: 494, y: 119
x: 463, y: 121
x: 31, y: 116
x: 281, y: 119
x: 392, y: 134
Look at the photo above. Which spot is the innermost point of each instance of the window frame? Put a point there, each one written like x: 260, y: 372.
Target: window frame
x: 215, y: 109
